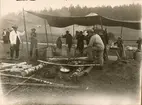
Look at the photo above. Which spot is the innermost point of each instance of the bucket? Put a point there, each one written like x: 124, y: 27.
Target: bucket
x: 138, y: 56
x: 49, y: 52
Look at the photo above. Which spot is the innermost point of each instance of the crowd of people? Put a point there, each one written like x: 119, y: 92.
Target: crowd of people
x: 96, y: 41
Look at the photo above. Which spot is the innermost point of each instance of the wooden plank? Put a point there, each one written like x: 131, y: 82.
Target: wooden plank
x: 72, y: 65
x: 13, y: 89
x: 59, y: 59
x: 41, y: 85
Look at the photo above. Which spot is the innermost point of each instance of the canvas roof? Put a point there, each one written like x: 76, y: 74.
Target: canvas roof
x: 57, y: 21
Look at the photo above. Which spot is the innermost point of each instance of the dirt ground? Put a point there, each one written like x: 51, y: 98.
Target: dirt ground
x: 117, y: 84
x: 117, y: 80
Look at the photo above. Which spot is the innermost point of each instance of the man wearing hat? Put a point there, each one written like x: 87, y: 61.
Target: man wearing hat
x: 96, y: 44
x: 33, y: 47
x: 15, y: 41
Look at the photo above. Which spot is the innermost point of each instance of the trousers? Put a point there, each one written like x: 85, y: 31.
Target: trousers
x: 33, y: 48
x: 94, y: 51
x: 14, y: 48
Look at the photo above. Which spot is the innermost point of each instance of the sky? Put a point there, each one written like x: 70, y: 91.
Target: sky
x: 8, y: 6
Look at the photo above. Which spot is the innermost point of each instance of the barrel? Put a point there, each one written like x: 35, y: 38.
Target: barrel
x: 58, y: 52
x: 64, y: 51
x: 49, y: 52
x: 138, y: 56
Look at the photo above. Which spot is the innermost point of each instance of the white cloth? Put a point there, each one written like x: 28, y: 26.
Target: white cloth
x: 96, y: 41
x: 13, y: 36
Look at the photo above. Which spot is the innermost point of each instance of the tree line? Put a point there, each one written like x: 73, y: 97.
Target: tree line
x: 123, y: 12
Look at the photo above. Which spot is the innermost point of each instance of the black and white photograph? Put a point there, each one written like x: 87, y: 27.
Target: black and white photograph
x: 70, y: 52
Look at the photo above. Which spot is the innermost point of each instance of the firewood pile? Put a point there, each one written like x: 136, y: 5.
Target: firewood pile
x: 22, y: 68
x: 71, y: 70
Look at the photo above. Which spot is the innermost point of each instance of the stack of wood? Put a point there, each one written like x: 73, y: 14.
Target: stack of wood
x: 22, y: 68
x: 32, y: 69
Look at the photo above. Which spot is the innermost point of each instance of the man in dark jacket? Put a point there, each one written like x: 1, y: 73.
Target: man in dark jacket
x: 139, y: 42
x: 80, y: 42
x: 33, y: 47
x: 119, y: 44
x: 68, y: 37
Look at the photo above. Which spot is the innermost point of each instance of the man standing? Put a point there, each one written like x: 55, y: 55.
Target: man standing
x: 96, y: 44
x: 15, y: 41
x: 80, y: 42
x: 119, y: 44
x: 139, y: 42
x: 68, y: 37
x: 4, y: 35
x: 33, y: 47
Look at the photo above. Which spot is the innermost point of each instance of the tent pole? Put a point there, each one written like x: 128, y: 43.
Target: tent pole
x: 51, y: 33
x: 46, y: 32
x: 73, y: 30
x: 121, y: 31
x: 25, y: 33
x: 101, y: 23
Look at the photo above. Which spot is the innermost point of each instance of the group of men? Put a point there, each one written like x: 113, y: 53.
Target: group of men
x: 96, y: 41
x: 13, y: 38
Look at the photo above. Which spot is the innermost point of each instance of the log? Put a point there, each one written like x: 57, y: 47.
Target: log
x: 76, y: 75
x: 42, y: 81
x: 60, y: 59
x: 88, y: 69
x: 32, y: 69
x: 13, y: 89
x: 72, y: 65
x: 24, y: 71
x: 40, y: 85
x: 8, y: 65
x: 82, y: 72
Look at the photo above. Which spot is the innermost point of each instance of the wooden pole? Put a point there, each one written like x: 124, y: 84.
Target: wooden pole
x: 101, y: 23
x: 43, y: 85
x: 46, y: 32
x: 48, y: 83
x: 51, y: 34
x: 73, y: 30
x: 25, y: 33
x: 121, y: 31
x: 18, y: 86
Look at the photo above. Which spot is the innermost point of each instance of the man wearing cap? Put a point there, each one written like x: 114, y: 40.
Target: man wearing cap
x: 96, y: 44
x: 33, y: 47
x: 15, y: 41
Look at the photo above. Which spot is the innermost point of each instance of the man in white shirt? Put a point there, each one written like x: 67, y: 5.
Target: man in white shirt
x: 96, y: 44
x: 15, y: 41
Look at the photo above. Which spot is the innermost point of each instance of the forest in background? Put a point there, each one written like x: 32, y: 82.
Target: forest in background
x: 123, y: 12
